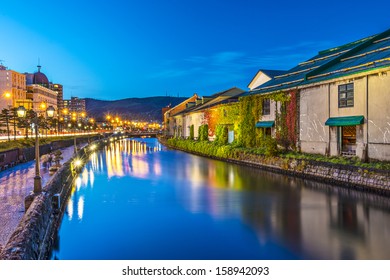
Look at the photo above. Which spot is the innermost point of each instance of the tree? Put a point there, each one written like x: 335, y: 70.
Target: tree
x: 4, y: 120
x: 15, y: 119
x: 26, y: 122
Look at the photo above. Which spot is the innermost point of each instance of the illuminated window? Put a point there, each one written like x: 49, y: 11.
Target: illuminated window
x: 346, y: 95
x: 266, y: 106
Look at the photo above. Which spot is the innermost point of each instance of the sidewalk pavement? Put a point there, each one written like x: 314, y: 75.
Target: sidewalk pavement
x: 15, y: 184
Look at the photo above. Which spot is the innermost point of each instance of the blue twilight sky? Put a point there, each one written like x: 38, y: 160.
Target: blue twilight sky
x: 137, y: 48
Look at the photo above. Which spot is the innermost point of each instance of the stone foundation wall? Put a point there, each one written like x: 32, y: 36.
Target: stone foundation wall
x: 349, y: 176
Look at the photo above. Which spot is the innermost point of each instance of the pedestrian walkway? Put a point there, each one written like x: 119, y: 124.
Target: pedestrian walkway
x: 15, y: 184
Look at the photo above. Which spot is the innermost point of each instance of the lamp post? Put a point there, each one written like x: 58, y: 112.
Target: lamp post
x: 21, y: 111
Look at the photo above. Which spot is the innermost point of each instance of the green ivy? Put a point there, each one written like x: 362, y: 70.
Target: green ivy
x: 192, y: 132
x: 204, y: 132
x: 251, y: 108
x: 221, y: 134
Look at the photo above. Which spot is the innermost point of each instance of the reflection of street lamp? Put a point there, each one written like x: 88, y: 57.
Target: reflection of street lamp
x: 21, y: 111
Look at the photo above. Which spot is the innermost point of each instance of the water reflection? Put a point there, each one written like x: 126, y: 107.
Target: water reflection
x: 163, y: 204
x: 120, y: 158
x: 127, y: 157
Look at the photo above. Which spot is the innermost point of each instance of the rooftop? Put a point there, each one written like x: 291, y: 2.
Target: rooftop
x: 361, y: 55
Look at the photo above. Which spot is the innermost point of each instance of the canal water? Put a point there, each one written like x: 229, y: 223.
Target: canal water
x: 137, y: 199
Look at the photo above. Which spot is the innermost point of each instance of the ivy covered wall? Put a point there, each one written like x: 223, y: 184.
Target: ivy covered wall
x: 243, y: 115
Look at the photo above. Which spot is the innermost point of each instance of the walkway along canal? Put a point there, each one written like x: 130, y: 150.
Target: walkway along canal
x: 137, y: 199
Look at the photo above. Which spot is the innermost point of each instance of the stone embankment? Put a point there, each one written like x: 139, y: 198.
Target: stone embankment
x: 35, y: 235
x: 354, y: 177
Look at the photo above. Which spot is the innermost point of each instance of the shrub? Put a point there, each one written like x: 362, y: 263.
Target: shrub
x: 270, y: 146
x: 192, y: 132
x: 221, y: 135
x: 204, y: 132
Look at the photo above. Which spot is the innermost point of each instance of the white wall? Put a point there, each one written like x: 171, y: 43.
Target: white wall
x: 313, y: 134
x: 320, y: 102
x: 258, y: 80
x: 379, y: 116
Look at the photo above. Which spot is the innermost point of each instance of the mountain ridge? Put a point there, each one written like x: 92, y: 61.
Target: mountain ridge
x: 134, y: 108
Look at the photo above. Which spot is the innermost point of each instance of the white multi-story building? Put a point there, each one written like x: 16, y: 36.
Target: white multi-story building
x: 40, y: 92
x: 12, y: 89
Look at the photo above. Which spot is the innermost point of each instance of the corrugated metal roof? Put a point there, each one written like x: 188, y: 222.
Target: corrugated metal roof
x: 231, y: 94
x: 273, y: 73
x: 226, y: 96
x: 362, y: 55
x: 294, y: 76
x: 372, y: 56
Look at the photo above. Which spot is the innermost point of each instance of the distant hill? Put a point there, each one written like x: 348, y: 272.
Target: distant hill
x: 142, y: 109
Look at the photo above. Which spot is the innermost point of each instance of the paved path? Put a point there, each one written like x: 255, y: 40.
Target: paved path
x: 15, y: 184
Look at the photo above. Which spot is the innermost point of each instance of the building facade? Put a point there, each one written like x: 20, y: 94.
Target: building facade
x: 266, y: 121
x: 41, y: 97
x: 40, y: 92
x: 60, y: 96
x: 342, y: 99
x: 12, y: 89
x: 174, y: 126
x: 75, y: 104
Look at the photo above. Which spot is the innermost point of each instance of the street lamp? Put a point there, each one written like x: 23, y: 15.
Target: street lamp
x: 21, y: 111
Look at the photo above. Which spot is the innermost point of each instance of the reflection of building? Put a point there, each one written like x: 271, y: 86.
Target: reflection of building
x: 12, y: 89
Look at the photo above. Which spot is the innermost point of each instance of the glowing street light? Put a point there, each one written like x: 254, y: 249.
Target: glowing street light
x: 21, y: 111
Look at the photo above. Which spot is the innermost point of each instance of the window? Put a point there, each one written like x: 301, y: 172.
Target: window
x: 346, y: 95
x: 266, y: 106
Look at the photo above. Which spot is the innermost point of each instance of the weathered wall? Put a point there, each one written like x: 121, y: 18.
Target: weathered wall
x: 320, y: 102
x: 197, y: 119
x: 379, y: 116
x: 359, y: 108
x: 314, y: 135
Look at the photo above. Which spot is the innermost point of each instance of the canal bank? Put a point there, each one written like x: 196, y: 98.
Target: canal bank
x: 137, y: 199
x: 34, y: 236
x: 353, y: 177
x: 160, y: 203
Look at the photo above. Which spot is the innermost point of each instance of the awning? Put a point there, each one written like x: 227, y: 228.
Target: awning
x: 345, y: 121
x: 265, y: 124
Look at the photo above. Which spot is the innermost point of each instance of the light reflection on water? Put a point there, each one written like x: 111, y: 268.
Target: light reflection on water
x: 138, y: 200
